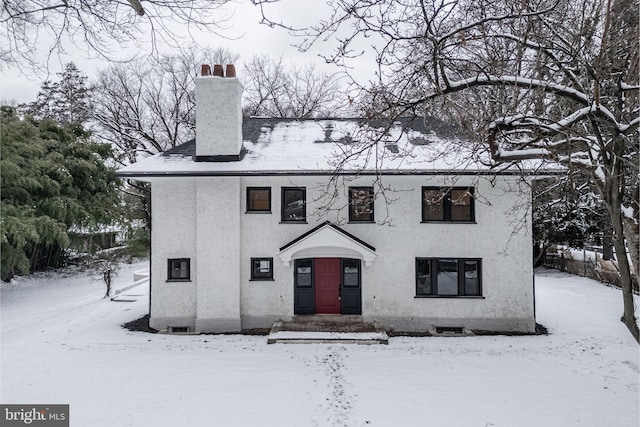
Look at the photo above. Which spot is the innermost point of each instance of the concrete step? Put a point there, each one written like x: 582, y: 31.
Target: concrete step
x: 325, y: 330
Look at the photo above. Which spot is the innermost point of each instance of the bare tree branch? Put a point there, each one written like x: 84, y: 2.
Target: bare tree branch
x: 552, y: 80
x: 107, y: 28
x: 273, y: 89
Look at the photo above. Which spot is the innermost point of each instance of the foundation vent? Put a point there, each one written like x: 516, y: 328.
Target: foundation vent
x: 179, y: 329
x: 449, y: 330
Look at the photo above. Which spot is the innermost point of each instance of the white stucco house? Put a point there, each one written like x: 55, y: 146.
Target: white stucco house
x: 258, y: 220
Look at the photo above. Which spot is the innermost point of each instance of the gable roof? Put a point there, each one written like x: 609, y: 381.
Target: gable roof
x: 327, y: 240
x: 319, y: 146
x: 335, y: 227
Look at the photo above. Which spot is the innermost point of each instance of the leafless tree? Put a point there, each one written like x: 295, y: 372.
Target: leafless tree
x: 552, y: 80
x: 274, y: 90
x: 106, y: 28
x: 147, y: 106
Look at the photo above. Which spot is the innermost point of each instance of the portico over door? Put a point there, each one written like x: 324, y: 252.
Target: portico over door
x: 327, y: 263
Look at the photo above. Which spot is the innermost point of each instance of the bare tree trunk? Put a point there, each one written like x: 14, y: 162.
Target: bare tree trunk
x: 106, y: 276
x: 628, y: 316
x: 614, y: 206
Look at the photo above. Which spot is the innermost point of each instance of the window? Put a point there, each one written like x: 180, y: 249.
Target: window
x: 258, y: 199
x: 303, y: 277
x: 448, y: 277
x: 361, y: 204
x: 350, y: 272
x: 423, y: 277
x: 261, y: 268
x: 454, y: 204
x: 294, y: 204
x: 179, y: 269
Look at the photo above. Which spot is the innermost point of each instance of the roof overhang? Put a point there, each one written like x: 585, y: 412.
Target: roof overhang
x: 327, y: 241
x: 127, y: 174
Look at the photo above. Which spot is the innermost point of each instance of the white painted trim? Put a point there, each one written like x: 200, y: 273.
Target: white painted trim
x: 327, y: 242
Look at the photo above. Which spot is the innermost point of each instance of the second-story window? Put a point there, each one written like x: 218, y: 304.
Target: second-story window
x: 294, y: 204
x: 258, y: 199
x: 448, y: 204
x: 361, y: 204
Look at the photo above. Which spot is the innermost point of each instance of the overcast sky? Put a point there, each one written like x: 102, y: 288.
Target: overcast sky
x: 248, y: 38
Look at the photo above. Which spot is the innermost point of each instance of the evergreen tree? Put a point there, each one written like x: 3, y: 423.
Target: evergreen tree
x: 65, y: 101
x: 567, y: 212
x: 52, y: 178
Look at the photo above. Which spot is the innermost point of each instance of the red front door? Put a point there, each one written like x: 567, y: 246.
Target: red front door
x: 327, y: 285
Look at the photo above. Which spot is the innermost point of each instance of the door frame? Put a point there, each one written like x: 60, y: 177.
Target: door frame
x: 304, y: 287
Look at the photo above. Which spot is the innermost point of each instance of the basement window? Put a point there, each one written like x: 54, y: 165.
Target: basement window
x: 179, y: 329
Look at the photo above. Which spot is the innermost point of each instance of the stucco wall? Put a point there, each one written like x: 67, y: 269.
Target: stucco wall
x: 173, y: 235
x: 499, y: 237
x: 226, y: 238
x: 218, y: 253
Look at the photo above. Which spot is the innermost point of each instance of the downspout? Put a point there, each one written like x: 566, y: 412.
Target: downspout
x: 150, y: 250
x: 533, y: 278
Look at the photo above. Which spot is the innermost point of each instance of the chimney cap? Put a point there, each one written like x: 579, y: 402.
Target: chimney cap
x: 218, y: 70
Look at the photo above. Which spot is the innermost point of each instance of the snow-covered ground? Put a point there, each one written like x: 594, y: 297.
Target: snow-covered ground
x: 63, y: 343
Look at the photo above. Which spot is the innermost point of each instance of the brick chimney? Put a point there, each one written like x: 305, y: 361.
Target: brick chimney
x: 218, y: 115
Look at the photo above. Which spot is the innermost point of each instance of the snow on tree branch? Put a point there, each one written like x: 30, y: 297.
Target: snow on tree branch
x: 105, y: 28
x: 521, y: 82
x: 555, y: 80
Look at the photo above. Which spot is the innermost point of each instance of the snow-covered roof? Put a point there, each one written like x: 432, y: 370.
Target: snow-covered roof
x: 322, y: 146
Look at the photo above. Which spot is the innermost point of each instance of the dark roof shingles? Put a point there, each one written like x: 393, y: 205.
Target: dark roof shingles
x: 254, y: 127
